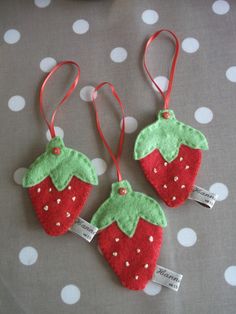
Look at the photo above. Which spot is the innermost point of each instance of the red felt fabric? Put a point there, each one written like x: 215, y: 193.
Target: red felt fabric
x: 50, y: 211
x: 126, y: 249
x: 163, y: 176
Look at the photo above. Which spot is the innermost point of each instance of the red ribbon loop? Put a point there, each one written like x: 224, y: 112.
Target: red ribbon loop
x: 166, y: 96
x: 115, y: 158
x: 72, y: 87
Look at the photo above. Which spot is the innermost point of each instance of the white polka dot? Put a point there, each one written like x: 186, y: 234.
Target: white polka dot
x: 99, y: 165
x: 162, y: 82
x: 58, y: 131
x: 12, y: 36
x: 86, y: 93
x: 131, y: 124
x: 203, y: 115
x: 220, y: 7
x: 190, y: 45
x: 231, y: 74
x: 70, y: 294
x: 152, y: 288
x: 28, y: 255
x: 47, y: 64
x: 18, y: 175
x: 118, y: 54
x: 42, y: 3
x: 150, y: 17
x: 16, y: 103
x: 230, y: 275
x: 187, y: 237
x: 80, y: 26
x: 220, y: 189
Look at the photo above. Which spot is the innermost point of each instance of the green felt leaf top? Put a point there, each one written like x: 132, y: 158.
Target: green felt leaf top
x: 127, y: 209
x: 167, y: 135
x: 61, y: 168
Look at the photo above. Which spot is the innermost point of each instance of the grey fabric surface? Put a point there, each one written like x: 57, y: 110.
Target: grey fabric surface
x: 200, y: 82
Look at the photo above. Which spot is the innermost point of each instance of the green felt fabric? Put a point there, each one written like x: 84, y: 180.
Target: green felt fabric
x: 61, y: 168
x: 167, y: 135
x: 127, y: 209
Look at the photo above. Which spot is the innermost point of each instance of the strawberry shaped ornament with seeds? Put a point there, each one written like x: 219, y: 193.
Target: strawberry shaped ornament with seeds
x: 59, y: 182
x: 130, y: 222
x: 131, y: 234
x: 168, y: 150
x: 169, y: 153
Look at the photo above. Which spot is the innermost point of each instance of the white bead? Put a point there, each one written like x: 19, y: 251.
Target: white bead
x: 146, y: 266
x: 165, y: 186
x: 69, y: 187
x: 114, y: 253
x: 138, y: 250
x: 50, y: 190
x: 165, y: 164
x: 187, y: 167
x: 38, y: 190
x: 182, y: 186
x: 176, y: 178
x: 151, y: 239
x: 173, y: 198
x: 136, y: 277
x: 127, y: 264
x: 58, y: 224
x: 155, y: 170
x: 117, y: 239
x: 58, y: 201
x: 73, y: 198
x: 67, y: 214
x: 45, y: 207
x: 181, y: 159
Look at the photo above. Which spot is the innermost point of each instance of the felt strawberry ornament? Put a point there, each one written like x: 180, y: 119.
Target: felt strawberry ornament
x: 60, y: 180
x: 169, y: 151
x: 130, y: 223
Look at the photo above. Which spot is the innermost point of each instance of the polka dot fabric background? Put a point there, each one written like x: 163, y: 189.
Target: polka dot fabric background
x: 41, y: 274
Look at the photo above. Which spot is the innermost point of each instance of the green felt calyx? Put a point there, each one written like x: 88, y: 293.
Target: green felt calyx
x: 126, y: 209
x: 167, y: 135
x: 61, y: 164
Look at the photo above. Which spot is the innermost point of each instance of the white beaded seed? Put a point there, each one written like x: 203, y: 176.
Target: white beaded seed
x: 165, y: 164
x: 176, y: 178
x: 114, y: 253
x: 38, y: 190
x: 146, y: 266
x: 187, y: 167
x: 67, y: 214
x: 46, y: 208
x: 73, y: 198
x: 150, y: 239
x: 138, y: 250
x: 182, y: 186
x: 127, y: 264
x: 58, y: 224
x: 50, y: 190
x: 165, y: 186
x: 136, y: 277
x: 117, y: 239
x: 173, y: 198
x: 155, y: 170
x: 58, y: 201
x: 69, y: 187
x: 181, y: 159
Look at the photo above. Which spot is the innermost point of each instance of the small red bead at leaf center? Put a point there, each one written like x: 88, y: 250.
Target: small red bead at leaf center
x: 56, y: 150
x: 122, y: 191
x: 166, y: 115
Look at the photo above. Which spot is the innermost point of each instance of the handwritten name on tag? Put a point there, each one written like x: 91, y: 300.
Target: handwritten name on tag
x: 84, y: 229
x: 167, y: 278
x: 203, y: 197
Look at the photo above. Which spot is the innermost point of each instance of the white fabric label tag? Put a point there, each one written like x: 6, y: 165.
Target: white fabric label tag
x: 84, y: 229
x: 203, y: 197
x: 167, y: 278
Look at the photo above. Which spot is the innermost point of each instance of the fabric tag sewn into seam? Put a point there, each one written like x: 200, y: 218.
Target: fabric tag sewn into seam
x: 167, y: 278
x: 84, y: 229
x: 203, y: 197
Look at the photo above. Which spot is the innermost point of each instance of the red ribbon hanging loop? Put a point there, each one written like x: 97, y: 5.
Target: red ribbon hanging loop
x: 72, y: 87
x: 166, y: 96
x: 115, y: 158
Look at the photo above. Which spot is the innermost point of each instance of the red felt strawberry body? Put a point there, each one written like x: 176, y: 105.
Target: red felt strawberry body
x: 132, y: 259
x: 173, y: 181
x: 131, y: 234
x: 170, y: 155
x: 59, y: 182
